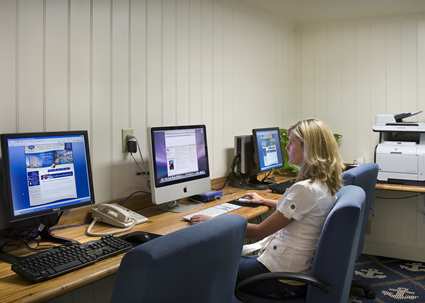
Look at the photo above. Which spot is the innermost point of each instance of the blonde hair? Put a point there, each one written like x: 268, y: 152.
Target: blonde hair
x: 322, y: 160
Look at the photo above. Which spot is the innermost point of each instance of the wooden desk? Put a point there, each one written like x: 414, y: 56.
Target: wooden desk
x: 401, y: 187
x: 15, y: 289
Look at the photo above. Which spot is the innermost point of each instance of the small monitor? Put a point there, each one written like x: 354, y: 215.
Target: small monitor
x: 267, y: 148
x: 179, y: 162
x: 254, y: 154
x: 45, y: 173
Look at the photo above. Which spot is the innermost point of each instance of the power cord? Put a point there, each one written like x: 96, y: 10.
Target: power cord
x: 134, y: 147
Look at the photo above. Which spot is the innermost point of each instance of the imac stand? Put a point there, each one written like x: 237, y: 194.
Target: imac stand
x: 178, y: 207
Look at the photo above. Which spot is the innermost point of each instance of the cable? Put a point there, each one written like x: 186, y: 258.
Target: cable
x: 266, y: 176
x: 89, y: 231
x: 232, y: 172
x: 140, y: 153
x: 133, y: 194
x: 137, y: 163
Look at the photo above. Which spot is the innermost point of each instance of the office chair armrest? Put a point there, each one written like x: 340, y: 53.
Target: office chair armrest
x: 299, y: 277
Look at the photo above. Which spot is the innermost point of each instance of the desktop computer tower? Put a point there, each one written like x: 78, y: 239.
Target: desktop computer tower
x: 244, y: 154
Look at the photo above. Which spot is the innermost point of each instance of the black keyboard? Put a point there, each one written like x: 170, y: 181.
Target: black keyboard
x: 62, y: 259
x: 279, y: 188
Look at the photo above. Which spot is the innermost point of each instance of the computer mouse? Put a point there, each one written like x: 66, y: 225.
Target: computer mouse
x: 138, y: 237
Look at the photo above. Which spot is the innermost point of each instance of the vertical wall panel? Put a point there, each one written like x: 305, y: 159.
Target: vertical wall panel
x: 409, y: 78
x: 195, y: 101
x: 421, y: 64
x: 104, y: 65
x: 101, y: 98
x: 56, y: 65
x: 207, y: 84
x: 217, y: 147
x: 183, y: 62
x: 30, y: 65
x: 121, y: 98
x: 138, y: 114
x: 393, y: 56
x: 228, y: 76
x: 154, y: 62
x: 8, y: 50
x: 80, y: 64
x: 169, y: 67
x: 380, y: 66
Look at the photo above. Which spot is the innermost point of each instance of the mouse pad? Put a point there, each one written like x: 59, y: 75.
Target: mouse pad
x: 244, y: 204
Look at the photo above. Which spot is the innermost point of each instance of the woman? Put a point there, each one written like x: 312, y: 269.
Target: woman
x: 293, y: 229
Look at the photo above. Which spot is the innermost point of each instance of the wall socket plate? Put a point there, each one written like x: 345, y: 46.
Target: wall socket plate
x: 125, y: 132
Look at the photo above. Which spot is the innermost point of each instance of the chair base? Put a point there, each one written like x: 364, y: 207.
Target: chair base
x: 361, y: 290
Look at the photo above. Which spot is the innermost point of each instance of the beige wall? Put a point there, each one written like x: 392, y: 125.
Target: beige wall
x: 350, y: 71
x: 104, y: 65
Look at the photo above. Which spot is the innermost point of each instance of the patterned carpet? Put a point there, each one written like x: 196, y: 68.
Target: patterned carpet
x: 394, y: 281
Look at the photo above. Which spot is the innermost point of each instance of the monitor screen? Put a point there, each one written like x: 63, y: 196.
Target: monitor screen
x: 179, y: 154
x: 268, y: 148
x: 46, y: 172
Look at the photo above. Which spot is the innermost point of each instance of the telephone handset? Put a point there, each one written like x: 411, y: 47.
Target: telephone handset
x: 112, y: 214
x: 115, y: 215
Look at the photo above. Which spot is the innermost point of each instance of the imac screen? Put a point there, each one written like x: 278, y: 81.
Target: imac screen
x: 179, y: 154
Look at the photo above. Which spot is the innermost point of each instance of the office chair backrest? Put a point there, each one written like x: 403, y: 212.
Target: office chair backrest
x: 364, y: 176
x: 336, y: 251
x: 195, y: 264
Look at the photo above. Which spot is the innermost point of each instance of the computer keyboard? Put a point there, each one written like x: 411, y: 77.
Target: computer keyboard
x: 280, y: 188
x: 213, y: 211
x: 62, y: 259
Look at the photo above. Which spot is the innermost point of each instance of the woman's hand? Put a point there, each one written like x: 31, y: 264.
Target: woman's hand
x: 254, y: 198
x: 258, y: 199
x: 198, y: 219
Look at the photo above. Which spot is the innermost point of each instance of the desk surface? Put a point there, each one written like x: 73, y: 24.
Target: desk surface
x: 401, y: 187
x: 15, y: 289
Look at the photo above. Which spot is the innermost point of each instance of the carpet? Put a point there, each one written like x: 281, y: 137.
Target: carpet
x: 393, y: 280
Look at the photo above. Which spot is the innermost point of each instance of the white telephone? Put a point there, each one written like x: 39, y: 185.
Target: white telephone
x: 115, y: 215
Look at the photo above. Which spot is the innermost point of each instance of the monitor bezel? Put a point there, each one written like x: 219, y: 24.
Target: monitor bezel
x: 6, y: 174
x: 153, y: 155
x: 255, y: 143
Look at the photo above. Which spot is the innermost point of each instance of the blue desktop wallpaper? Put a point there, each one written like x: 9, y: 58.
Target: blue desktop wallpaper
x: 19, y: 182
x: 261, y: 154
x: 161, y: 158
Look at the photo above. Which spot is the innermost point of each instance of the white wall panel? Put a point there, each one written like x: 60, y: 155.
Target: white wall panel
x: 101, y: 79
x: 138, y: 78
x: 80, y: 56
x: 56, y: 65
x: 154, y: 70
x: 104, y: 65
x: 374, y: 66
x: 30, y: 65
x: 8, y: 73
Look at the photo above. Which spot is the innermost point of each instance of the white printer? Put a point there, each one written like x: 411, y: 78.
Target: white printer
x: 400, y: 153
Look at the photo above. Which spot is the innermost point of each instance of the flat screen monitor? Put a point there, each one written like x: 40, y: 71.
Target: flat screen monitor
x: 45, y: 173
x: 179, y: 162
x: 267, y: 148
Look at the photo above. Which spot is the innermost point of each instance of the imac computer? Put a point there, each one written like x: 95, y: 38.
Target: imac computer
x: 43, y: 174
x: 257, y: 153
x: 178, y: 164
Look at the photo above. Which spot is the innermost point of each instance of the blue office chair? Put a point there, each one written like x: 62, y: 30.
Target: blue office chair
x: 195, y: 264
x: 365, y: 176
x: 332, y: 270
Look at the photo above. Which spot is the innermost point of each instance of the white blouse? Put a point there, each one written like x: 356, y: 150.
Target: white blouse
x: 291, y: 248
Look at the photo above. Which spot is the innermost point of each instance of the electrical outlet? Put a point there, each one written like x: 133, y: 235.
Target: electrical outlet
x: 125, y: 133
